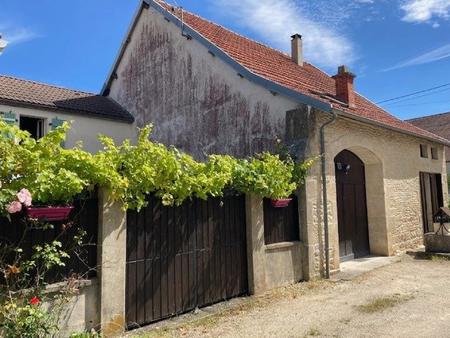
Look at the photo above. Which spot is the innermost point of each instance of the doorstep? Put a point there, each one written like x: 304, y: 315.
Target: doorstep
x: 351, y: 269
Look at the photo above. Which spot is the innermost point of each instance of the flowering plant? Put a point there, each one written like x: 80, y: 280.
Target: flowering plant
x: 23, y: 198
x: 26, y: 308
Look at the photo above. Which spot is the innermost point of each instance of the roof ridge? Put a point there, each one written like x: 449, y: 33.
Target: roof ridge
x: 427, y: 116
x: 46, y: 84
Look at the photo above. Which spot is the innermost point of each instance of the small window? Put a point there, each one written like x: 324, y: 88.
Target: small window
x: 423, y: 151
x: 281, y: 224
x: 434, y: 154
x: 33, y: 125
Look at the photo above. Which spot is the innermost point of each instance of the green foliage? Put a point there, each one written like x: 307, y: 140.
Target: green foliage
x: 26, y: 308
x: 55, y: 175
x: 26, y: 320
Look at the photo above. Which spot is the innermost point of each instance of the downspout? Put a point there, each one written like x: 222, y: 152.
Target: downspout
x: 324, y: 192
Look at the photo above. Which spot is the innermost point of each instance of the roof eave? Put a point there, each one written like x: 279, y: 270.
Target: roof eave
x: 123, y: 46
x: 243, y: 71
x: 125, y: 119
x: 348, y: 115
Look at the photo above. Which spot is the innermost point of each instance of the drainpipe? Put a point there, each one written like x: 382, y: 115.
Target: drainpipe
x: 324, y: 192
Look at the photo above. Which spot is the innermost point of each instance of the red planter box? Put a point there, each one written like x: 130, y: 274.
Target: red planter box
x: 50, y: 213
x: 281, y: 202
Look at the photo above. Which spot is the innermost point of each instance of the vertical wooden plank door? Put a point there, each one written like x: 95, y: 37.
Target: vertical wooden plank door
x: 431, y: 198
x: 352, y: 207
x: 180, y: 258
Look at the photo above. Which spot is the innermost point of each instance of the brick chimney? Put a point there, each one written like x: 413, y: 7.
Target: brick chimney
x: 297, y: 49
x: 344, y: 86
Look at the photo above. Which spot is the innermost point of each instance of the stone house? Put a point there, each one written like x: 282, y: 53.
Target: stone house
x: 209, y: 90
x: 39, y: 108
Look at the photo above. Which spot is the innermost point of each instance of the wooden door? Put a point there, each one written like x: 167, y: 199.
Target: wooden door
x: 431, y: 198
x: 352, y: 206
x: 180, y: 258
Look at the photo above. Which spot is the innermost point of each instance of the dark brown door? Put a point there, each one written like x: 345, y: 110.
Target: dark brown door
x: 431, y: 197
x: 180, y: 258
x: 352, y: 207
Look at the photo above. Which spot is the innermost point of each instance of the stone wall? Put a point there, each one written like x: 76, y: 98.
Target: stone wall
x: 393, y: 163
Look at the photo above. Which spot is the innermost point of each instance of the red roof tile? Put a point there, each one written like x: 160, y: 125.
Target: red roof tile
x: 279, y: 68
x: 30, y: 93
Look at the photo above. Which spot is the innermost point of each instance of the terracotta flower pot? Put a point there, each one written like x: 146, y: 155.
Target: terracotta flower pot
x: 49, y: 213
x: 281, y: 202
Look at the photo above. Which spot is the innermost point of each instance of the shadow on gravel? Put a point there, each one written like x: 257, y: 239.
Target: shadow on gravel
x: 429, y: 256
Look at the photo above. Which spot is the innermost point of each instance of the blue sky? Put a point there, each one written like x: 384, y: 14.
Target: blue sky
x: 394, y: 46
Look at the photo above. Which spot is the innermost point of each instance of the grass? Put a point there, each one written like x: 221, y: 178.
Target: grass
x: 383, y: 303
x: 313, y: 332
x: 206, y: 323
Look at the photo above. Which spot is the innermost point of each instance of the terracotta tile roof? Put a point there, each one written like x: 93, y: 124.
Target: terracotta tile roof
x: 278, y: 67
x: 438, y: 124
x: 16, y: 91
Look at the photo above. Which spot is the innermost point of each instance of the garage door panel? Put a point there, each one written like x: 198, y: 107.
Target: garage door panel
x: 179, y: 258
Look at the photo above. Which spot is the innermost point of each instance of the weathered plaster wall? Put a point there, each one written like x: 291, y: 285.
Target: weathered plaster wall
x: 85, y: 129
x: 392, y: 161
x: 273, y: 265
x: 82, y: 312
x: 196, y: 101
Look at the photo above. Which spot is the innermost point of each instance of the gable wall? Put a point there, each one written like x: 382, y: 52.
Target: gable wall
x: 196, y: 101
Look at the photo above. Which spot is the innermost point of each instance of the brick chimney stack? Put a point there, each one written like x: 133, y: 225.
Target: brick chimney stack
x: 297, y: 49
x: 344, y: 86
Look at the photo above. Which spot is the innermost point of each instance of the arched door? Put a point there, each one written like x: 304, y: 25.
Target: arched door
x: 352, y: 206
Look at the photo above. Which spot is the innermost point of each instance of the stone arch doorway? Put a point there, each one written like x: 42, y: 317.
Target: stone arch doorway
x: 352, y: 206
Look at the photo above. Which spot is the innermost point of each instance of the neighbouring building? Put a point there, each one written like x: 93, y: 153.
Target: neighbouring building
x: 39, y: 108
x: 438, y: 124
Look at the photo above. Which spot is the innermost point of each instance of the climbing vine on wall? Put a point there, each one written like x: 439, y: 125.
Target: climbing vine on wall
x: 55, y: 175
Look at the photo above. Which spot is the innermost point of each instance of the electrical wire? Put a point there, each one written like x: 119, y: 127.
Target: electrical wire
x: 417, y: 97
x: 414, y: 93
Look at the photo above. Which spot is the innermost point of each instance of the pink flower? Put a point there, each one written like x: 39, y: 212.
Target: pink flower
x: 14, y: 207
x: 24, y: 197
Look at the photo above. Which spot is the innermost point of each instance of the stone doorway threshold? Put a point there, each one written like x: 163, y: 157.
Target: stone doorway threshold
x: 356, y: 267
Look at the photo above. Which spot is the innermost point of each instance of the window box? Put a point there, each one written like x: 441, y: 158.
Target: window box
x: 280, y: 202
x: 49, y: 213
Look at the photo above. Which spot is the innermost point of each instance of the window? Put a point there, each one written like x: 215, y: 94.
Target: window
x: 423, y: 151
x: 434, y: 153
x: 33, y: 125
x: 281, y: 224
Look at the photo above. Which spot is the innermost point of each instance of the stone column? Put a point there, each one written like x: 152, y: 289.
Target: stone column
x: 112, y: 262
x: 255, y: 244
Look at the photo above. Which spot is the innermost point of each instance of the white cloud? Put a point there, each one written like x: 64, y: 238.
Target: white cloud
x: 425, y: 10
x: 432, y: 56
x: 319, y: 22
x: 15, y: 35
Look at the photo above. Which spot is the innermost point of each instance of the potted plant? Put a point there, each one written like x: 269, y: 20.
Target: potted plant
x: 280, y: 202
x: 50, y: 213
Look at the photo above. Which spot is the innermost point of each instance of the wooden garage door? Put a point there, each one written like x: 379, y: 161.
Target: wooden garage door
x: 180, y: 258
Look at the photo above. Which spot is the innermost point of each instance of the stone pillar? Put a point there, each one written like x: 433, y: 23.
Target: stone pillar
x: 255, y: 244
x: 112, y: 262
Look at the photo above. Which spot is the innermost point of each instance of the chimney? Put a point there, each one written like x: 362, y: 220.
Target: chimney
x: 297, y: 49
x: 344, y: 86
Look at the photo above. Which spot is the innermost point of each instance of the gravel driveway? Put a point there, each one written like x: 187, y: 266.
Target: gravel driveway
x: 410, y: 298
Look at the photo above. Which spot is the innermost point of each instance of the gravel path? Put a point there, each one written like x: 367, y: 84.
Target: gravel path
x: 410, y: 298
